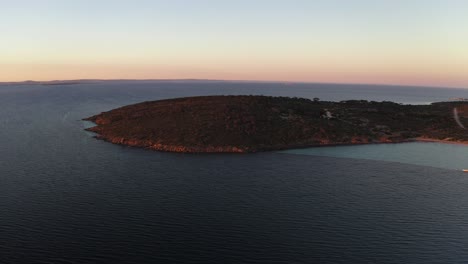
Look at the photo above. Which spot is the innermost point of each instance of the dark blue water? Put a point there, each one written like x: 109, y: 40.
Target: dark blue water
x: 68, y: 198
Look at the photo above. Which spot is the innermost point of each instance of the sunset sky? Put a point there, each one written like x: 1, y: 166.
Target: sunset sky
x: 418, y: 42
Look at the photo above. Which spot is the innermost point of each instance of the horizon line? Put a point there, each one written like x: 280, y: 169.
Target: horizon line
x: 75, y: 81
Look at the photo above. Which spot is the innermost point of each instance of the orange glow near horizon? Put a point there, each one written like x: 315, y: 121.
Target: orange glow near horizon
x: 376, y: 42
x: 326, y: 74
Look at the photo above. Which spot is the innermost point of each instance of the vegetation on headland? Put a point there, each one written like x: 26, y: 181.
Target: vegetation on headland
x: 261, y: 123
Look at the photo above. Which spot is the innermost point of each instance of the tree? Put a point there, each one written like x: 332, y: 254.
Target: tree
x: 316, y: 99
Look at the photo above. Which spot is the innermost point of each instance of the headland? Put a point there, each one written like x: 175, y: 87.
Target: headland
x: 264, y: 123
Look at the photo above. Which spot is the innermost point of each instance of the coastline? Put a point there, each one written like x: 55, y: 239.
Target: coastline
x: 424, y: 139
x: 233, y: 149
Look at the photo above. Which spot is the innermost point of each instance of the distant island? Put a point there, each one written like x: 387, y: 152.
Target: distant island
x: 112, y: 81
x: 263, y: 123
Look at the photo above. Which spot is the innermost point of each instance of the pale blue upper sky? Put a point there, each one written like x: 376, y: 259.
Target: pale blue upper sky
x: 394, y: 41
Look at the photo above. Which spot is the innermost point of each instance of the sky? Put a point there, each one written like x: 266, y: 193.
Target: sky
x: 410, y: 42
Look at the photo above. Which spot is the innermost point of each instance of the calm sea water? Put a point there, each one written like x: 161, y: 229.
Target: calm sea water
x: 446, y: 156
x: 68, y: 198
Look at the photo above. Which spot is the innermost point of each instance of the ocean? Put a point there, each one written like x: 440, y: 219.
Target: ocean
x: 68, y: 198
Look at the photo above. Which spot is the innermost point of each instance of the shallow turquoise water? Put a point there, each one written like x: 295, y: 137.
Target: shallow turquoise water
x: 87, y: 124
x: 440, y: 155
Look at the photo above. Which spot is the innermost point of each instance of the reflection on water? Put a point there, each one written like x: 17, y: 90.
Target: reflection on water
x: 441, y: 155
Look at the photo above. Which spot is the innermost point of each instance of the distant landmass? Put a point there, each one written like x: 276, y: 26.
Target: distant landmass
x: 263, y: 123
x: 91, y: 81
x: 56, y: 82
x: 192, y: 80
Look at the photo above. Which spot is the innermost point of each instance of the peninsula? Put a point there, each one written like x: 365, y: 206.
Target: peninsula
x: 262, y: 123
